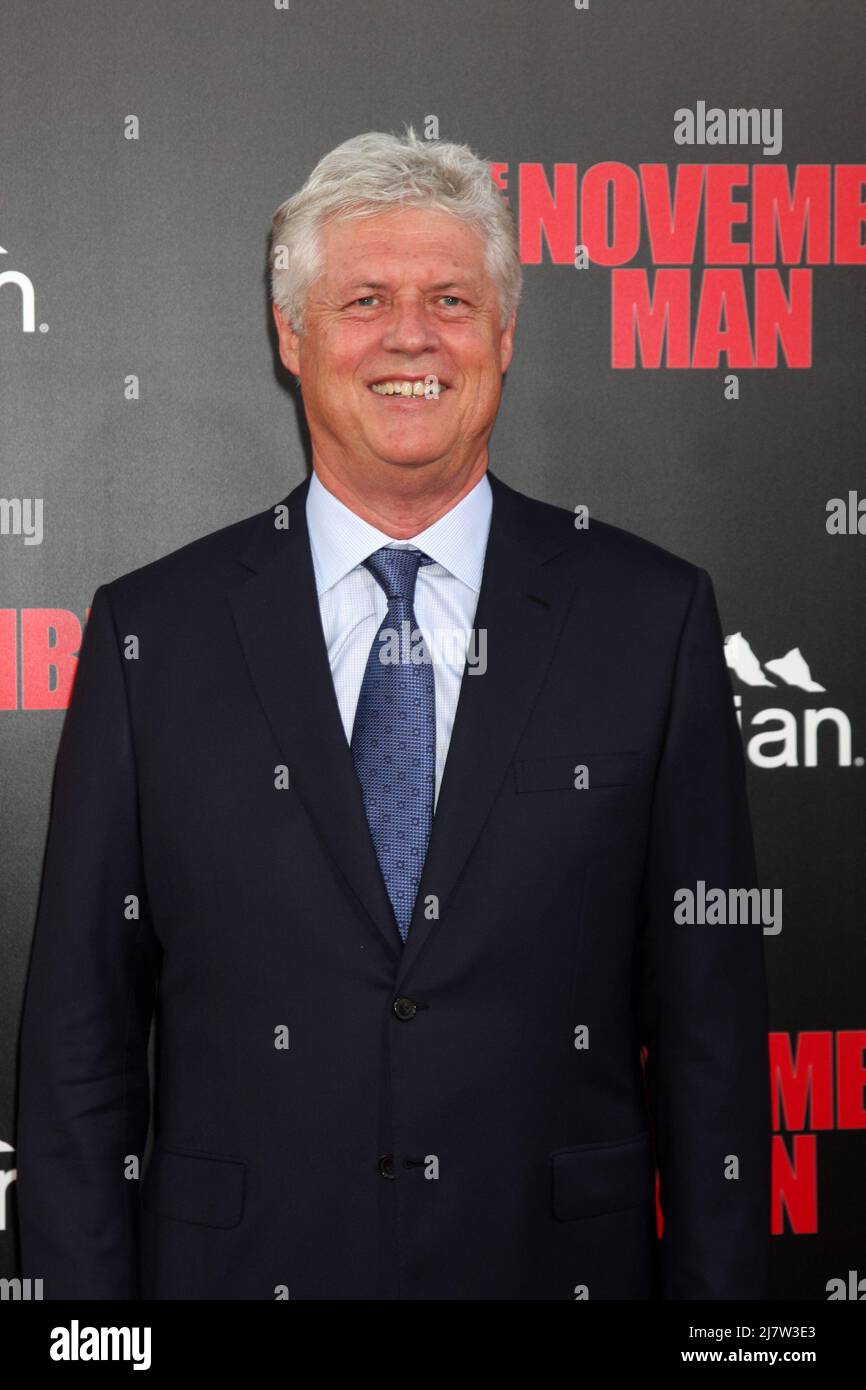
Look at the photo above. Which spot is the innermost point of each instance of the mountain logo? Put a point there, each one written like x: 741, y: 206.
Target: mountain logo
x: 791, y: 669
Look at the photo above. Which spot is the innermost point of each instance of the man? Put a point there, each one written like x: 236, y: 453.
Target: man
x: 406, y: 922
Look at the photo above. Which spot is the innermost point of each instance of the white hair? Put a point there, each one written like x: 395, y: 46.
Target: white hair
x: 376, y: 173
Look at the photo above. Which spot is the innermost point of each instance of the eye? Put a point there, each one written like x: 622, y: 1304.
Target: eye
x: 453, y: 297
x: 364, y: 299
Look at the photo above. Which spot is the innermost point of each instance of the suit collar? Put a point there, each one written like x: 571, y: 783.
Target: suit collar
x: 340, y: 539
x: 527, y: 523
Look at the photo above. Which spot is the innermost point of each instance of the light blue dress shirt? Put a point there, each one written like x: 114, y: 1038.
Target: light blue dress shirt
x: 353, y: 605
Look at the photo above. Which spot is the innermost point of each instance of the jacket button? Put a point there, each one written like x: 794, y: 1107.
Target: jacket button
x: 405, y: 1008
x: 386, y: 1165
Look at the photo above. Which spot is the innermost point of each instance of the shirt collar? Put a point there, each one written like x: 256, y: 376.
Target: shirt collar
x: 340, y: 539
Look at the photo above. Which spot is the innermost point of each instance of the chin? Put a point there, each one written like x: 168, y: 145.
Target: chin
x: 415, y: 460
x: 415, y: 453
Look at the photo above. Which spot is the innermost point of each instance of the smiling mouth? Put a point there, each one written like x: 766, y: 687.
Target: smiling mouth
x: 400, y: 389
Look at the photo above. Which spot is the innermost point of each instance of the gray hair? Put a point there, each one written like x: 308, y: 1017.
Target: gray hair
x: 375, y: 173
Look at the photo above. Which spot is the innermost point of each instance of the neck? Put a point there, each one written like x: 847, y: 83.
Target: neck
x: 402, y: 502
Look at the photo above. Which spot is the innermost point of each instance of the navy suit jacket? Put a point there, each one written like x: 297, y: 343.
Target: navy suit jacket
x: 478, y: 1115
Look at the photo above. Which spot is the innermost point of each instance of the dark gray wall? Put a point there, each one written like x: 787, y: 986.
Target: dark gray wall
x: 148, y: 257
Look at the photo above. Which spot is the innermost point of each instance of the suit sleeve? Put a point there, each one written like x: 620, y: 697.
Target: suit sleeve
x: 702, y: 1004
x: 83, y: 1104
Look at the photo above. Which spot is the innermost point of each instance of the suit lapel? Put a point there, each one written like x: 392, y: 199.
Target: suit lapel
x: 276, y: 613
x: 521, y: 606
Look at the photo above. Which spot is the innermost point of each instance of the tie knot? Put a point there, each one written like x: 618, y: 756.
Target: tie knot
x: 396, y: 569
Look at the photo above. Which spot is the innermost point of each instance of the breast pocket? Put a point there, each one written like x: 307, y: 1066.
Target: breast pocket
x: 599, y: 1179
x: 201, y: 1188
x: 578, y: 772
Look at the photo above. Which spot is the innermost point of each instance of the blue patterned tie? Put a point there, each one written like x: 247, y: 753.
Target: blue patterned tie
x: 394, y: 734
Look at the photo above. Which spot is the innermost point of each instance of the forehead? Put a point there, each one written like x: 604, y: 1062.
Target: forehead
x: 402, y: 243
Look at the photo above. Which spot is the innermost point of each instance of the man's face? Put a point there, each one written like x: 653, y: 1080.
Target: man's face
x: 403, y: 296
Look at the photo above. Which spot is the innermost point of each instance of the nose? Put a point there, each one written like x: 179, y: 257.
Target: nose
x: 410, y: 329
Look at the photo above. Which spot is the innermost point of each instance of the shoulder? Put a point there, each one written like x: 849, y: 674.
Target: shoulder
x: 207, y: 565
x: 610, y: 553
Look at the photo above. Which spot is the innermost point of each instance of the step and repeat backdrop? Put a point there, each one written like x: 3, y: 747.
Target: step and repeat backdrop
x: 689, y: 183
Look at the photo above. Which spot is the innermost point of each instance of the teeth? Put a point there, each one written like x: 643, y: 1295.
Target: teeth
x: 406, y: 388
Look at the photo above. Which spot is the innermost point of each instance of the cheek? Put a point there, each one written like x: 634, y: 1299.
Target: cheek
x: 340, y: 352
x: 478, y: 358
x: 338, y: 366
x: 483, y: 381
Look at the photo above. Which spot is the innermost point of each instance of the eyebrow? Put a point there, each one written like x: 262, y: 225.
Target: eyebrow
x: 383, y: 285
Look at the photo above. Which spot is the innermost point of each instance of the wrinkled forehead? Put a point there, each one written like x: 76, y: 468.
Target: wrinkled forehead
x: 416, y: 246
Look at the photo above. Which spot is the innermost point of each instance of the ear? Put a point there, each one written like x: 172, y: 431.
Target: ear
x: 288, y: 340
x: 506, y: 343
